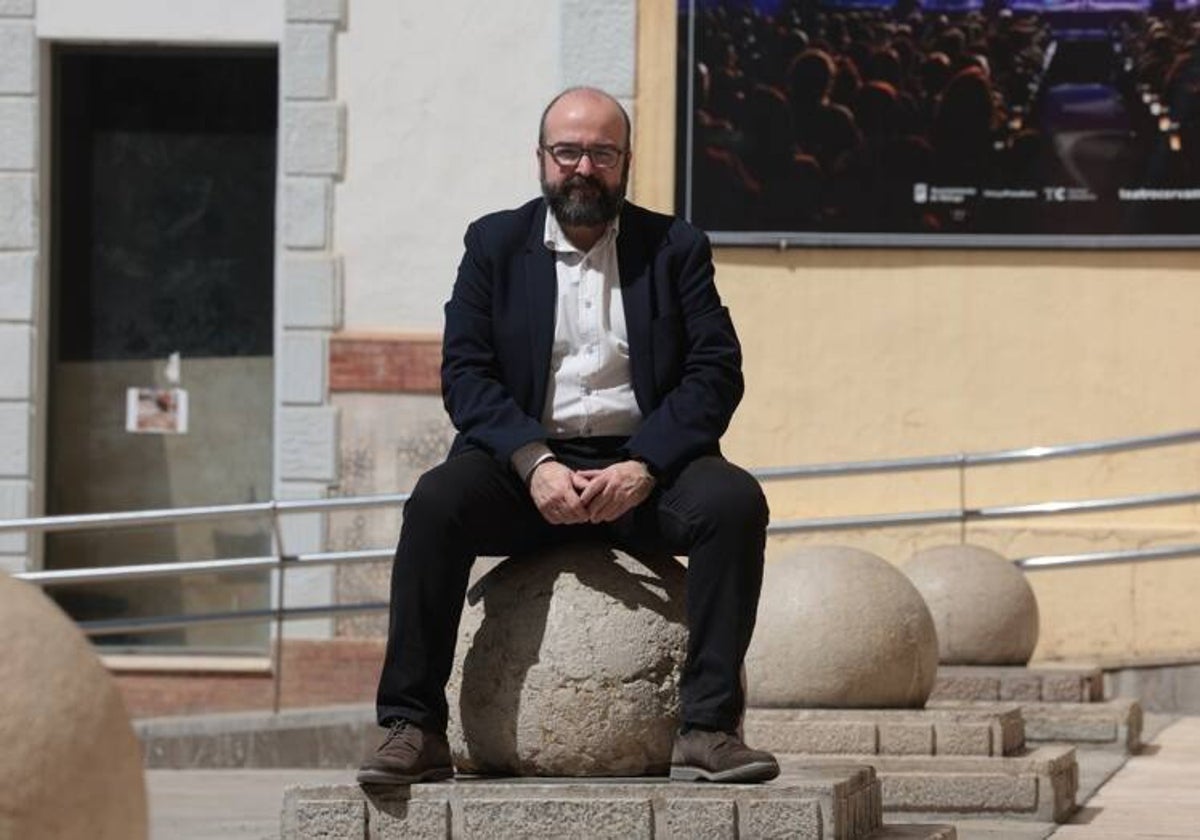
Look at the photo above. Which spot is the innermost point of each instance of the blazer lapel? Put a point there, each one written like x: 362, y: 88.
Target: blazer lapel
x: 637, y: 301
x: 540, y: 289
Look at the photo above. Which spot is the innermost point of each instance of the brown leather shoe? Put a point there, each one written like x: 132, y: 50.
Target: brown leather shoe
x: 409, y: 754
x: 702, y: 755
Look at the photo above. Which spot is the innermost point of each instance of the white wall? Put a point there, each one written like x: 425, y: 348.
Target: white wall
x: 190, y: 21
x: 442, y: 104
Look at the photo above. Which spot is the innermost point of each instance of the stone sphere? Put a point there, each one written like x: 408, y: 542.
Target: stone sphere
x: 70, y: 766
x: 568, y: 664
x: 840, y: 628
x: 984, y: 608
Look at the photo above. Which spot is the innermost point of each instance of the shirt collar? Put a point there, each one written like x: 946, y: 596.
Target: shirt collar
x: 555, y: 238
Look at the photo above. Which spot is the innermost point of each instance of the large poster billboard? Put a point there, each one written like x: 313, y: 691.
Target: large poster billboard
x: 941, y: 122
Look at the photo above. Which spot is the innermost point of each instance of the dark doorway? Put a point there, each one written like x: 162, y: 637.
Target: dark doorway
x: 163, y: 214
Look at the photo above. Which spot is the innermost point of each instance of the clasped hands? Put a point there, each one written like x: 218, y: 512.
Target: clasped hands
x: 574, y: 497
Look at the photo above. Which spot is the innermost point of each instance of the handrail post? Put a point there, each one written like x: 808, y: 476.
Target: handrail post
x: 277, y: 671
x: 962, y: 498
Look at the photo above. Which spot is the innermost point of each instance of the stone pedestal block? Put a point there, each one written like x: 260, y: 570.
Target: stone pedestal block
x: 568, y: 664
x: 982, y: 605
x: 840, y: 628
x: 833, y: 802
x: 1016, y: 683
x: 1114, y: 725
x: 961, y: 729
x: 1039, y: 785
x: 70, y: 767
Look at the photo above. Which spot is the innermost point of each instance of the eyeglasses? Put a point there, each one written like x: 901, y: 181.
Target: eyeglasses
x: 568, y: 154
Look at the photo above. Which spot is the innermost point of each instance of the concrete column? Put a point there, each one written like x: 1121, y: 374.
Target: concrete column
x: 19, y: 268
x: 312, y: 147
x: 599, y: 47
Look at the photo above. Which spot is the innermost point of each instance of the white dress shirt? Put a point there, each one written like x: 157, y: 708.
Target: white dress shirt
x: 590, y: 392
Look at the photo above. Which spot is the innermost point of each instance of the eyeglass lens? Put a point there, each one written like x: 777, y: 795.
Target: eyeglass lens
x: 601, y: 156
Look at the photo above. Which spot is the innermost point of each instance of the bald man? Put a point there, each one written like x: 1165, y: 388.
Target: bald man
x: 590, y: 370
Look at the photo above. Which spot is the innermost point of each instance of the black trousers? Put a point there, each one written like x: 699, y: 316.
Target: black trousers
x: 470, y: 505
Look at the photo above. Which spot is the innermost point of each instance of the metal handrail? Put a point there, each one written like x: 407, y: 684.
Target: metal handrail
x: 133, y: 518
x: 142, y: 571
x: 122, y: 519
x: 1162, y: 552
x: 155, y: 624
x: 62, y: 577
x: 930, y: 517
x: 979, y: 459
x: 160, y: 624
x: 282, y: 562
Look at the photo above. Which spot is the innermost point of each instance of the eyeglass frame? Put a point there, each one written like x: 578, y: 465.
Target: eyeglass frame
x: 585, y: 150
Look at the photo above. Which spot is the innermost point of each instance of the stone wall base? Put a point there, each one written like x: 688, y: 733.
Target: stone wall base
x: 314, y: 673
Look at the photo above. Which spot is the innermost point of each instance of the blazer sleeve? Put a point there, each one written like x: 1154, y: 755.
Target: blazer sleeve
x: 476, y: 397
x: 696, y: 408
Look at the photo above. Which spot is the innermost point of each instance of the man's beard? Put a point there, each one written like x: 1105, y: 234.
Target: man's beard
x: 584, y: 200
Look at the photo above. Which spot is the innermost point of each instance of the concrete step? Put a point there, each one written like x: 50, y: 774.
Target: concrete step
x: 834, y: 801
x: 1039, y: 785
x: 336, y: 737
x: 1020, y: 683
x: 1112, y: 724
x: 963, y: 729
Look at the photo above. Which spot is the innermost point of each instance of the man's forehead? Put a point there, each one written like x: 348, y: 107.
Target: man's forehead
x: 584, y: 106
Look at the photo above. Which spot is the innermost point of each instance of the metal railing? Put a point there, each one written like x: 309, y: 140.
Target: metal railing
x: 281, y: 562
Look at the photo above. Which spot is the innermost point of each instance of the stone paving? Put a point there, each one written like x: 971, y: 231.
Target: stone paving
x: 1155, y: 795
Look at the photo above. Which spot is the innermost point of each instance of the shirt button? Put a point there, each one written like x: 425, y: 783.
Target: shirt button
x: 587, y: 304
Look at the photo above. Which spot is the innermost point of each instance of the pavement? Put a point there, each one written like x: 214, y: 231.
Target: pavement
x: 1155, y: 794
x: 225, y: 804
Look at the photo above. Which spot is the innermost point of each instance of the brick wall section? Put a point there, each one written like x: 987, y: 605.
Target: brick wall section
x: 315, y: 673
x: 393, y: 364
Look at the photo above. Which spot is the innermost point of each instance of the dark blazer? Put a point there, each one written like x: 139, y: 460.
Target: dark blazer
x: 684, y: 354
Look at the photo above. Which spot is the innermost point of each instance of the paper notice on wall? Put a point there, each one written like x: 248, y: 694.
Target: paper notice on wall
x: 156, y: 411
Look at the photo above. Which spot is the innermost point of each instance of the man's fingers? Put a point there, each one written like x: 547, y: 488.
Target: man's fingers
x: 593, y: 489
x: 570, y: 497
x: 573, y: 509
x: 564, y: 507
x: 608, y: 505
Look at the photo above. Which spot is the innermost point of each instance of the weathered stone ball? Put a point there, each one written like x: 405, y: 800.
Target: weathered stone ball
x: 840, y: 628
x: 984, y: 608
x: 568, y: 664
x: 70, y: 766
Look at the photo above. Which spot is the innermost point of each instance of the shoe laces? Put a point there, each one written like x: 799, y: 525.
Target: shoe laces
x: 405, y: 735
x: 725, y: 742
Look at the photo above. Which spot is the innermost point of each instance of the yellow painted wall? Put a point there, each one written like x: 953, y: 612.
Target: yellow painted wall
x: 859, y: 353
